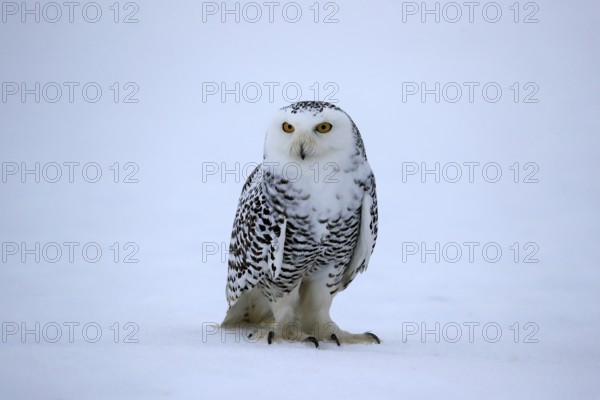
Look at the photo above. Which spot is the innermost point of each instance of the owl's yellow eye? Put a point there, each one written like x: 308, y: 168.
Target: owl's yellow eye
x: 287, y: 127
x: 323, y: 127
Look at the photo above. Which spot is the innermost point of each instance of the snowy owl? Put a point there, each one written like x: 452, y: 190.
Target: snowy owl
x: 305, y: 226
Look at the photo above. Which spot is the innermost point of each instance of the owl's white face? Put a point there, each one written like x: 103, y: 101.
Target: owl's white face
x: 309, y: 135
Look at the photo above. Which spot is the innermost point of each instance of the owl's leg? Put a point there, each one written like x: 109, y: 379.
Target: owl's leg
x: 287, y: 326
x: 315, y: 303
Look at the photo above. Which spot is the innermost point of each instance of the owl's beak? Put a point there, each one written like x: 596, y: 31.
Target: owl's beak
x: 304, y: 146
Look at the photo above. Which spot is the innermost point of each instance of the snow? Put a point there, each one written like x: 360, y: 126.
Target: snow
x: 176, y: 220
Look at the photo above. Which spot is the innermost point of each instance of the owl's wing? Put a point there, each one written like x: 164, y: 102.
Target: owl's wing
x: 367, y: 235
x: 257, y: 240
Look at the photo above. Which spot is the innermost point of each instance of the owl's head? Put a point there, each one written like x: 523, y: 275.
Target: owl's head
x: 311, y: 131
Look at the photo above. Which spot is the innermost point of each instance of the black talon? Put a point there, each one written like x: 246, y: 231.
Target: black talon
x: 270, y: 337
x: 335, y: 338
x: 373, y: 336
x: 312, y: 340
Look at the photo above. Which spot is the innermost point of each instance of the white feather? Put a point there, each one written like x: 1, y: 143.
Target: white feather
x: 364, y: 244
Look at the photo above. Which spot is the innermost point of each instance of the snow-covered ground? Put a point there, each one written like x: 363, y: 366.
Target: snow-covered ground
x: 520, y: 324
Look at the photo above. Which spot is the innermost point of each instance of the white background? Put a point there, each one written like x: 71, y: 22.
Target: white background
x: 178, y: 216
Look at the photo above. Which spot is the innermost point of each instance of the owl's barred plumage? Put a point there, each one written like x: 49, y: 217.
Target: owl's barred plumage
x: 305, y: 226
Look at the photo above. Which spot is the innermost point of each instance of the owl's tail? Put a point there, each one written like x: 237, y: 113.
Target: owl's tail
x: 252, y: 308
